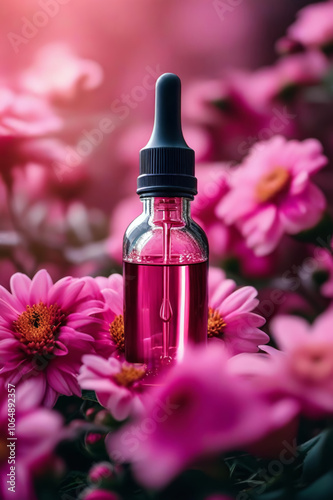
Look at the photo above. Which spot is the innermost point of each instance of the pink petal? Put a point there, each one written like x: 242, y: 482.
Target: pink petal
x: 102, y: 387
x: 40, y: 286
x: 100, y: 365
x: 57, y: 381
x: 116, y: 283
x: 303, y: 211
x: 20, y: 287
x: 7, y: 311
x: 58, y: 289
x: 71, y: 295
x: 120, y: 404
x: 322, y: 327
x: 60, y: 349
x: 11, y: 300
x: 290, y: 332
x: 30, y: 393
x: 242, y: 299
x: 114, y: 300
x: 220, y: 294
x: 51, y: 397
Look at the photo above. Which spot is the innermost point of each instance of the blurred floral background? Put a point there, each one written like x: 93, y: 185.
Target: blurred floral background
x: 76, y: 106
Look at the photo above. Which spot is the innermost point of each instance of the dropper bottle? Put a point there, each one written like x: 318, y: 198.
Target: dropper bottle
x: 165, y: 253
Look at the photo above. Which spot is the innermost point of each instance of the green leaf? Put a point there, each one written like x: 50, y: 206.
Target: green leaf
x: 306, y: 447
x: 319, y: 458
x: 322, y: 489
x: 89, y: 396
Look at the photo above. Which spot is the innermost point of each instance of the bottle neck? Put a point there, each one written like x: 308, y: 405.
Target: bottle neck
x: 173, y: 209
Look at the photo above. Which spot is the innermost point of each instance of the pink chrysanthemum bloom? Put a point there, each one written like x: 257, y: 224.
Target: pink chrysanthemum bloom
x: 116, y: 383
x: 213, y: 185
x: 101, y: 471
x: 314, y: 26
x: 198, y: 410
x: 24, y: 115
x: 264, y: 86
x: 108, y: 292
x: 230, y: 314
x: 126, y: 211
x: 303, y: 368
x: 26, y: 123
x: 59, y: 74
x: 272, y: 194
x: 43, y: 333
x: 37, y: 431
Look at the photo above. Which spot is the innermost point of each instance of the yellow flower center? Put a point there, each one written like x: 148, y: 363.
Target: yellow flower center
x: 129, y: 374
x: 313, y: 363
x: 216, y: 323
x: 37, y: 327
x: 272, y: 184
x: 117, y: 332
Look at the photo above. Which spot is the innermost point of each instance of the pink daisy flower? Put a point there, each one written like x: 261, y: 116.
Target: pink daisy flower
x: 43, y: 333
x: 313, y: 27
x: 60, y: 75
x: 26, y: 123
x: 264, y: 86
x: 23, y: 115
x: 109, y: 293
x: 230, y: 316
x: 213, y: 185
x: 231, y: 319
x: 37, y: 431
x: 122, y: 215
x: 272, y: 194
x: 198, y: 410
x: 116, y: 383
x: 303, y: 368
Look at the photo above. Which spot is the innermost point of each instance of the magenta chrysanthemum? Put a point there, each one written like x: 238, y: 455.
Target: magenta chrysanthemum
x: 108, y: 292
x: 313, y: 27
x: 199, y: 409
x: 117, y: 384
x: 302, y: 369
x: 43, y: 332
x: 37, y: 431
x: 230, y: 315
x: 271, y: 192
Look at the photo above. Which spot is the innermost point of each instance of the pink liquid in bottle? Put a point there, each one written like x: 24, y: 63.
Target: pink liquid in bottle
x: 161, y: 319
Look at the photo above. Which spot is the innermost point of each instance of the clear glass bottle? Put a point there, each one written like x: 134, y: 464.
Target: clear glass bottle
x: 165, y: 279
x: 165, y: 253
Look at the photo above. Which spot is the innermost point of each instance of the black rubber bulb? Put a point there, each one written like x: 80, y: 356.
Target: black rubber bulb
x: 167, y: 131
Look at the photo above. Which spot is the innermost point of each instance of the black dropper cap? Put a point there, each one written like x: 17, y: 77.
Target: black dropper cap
x: 167, y: 163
